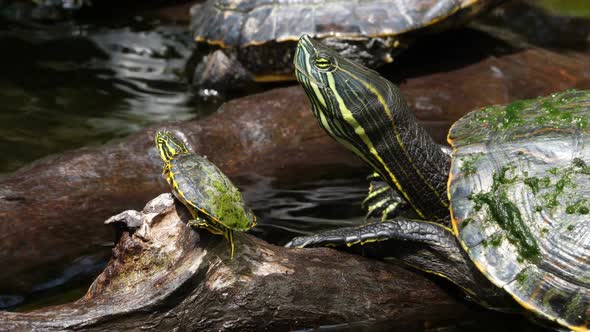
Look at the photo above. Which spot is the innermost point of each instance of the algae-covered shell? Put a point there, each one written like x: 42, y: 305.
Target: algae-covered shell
x: 520, y: 200
x: 199, y: 183
x: 241, y: 23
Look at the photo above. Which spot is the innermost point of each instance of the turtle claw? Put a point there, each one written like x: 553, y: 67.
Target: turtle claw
x: 301, y: 241
x: 229, y: 235
x: 382, y: 201
x: 331, y: 238
x: 226, y: 232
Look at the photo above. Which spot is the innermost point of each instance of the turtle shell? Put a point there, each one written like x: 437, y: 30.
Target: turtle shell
x: 520, y: 200
x: 199, y: 184
x: 241, y: 23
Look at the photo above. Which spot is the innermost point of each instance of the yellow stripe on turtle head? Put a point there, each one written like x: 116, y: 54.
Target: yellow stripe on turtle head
x: 169, y: 146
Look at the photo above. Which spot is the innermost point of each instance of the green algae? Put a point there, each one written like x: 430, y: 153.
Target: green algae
x: 581, y: 166
x: 563, y: 181
x: 468, y: 164
x: 512, y: 114
x: 496, y: 240
x: 536, y: 184
x: 564, y: 110
x: 229, y: 208
x: 495, y: 127
x: 579, y: 207
x: 522, y: 278
x: 506, y: 215
x: 533, y: 183
x: 465, y: 222
x: 551, y: 198
x: 493, y: 241
x: 500, y: 177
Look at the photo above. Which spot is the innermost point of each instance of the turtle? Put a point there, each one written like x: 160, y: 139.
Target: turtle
x: 505, y: 216
x: 212, y: 199
x: 245, y: 40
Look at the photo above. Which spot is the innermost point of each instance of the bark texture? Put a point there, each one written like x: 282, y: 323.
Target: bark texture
x: 165, y: 276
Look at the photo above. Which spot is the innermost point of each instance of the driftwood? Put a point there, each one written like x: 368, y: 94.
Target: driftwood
x: 47, y: 208
x: 165, y: 276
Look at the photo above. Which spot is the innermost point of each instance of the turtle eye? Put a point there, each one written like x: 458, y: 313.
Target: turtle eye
x: 324, y: 62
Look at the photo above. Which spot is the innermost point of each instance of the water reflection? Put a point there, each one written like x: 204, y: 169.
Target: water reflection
x: 306, y: 209
x: 69, y: 85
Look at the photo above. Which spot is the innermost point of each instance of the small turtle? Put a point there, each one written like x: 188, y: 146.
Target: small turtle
x: 509, y: 209
x: 213, y: 201
x: 254, y: 39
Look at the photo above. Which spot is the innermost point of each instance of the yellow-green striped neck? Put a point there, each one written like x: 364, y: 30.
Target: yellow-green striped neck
x: 367, y: 114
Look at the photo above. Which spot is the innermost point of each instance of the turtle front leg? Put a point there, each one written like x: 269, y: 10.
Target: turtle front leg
x: 229, y: 235
x: 382, y: 201
x: 400, y: 229
x: 426, y: 246
x: 203, y: 223
x: 217, y: 230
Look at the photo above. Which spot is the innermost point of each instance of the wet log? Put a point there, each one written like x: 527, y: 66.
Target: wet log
x: 165, y: 276
x: 47, y: 208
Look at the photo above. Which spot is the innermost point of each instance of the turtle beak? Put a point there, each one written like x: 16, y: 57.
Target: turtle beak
x: 302, y: 54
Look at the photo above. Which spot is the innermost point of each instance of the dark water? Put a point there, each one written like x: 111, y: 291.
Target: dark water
x: 303, y: 210
x: 74, y: 84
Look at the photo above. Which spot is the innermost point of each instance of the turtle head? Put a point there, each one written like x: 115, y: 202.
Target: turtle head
x: 169, y: 146
x: 338, y: 88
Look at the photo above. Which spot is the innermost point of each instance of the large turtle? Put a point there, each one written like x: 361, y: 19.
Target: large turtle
x: 510, y: 203
x: 212, y: 199
x: 255, y: 39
